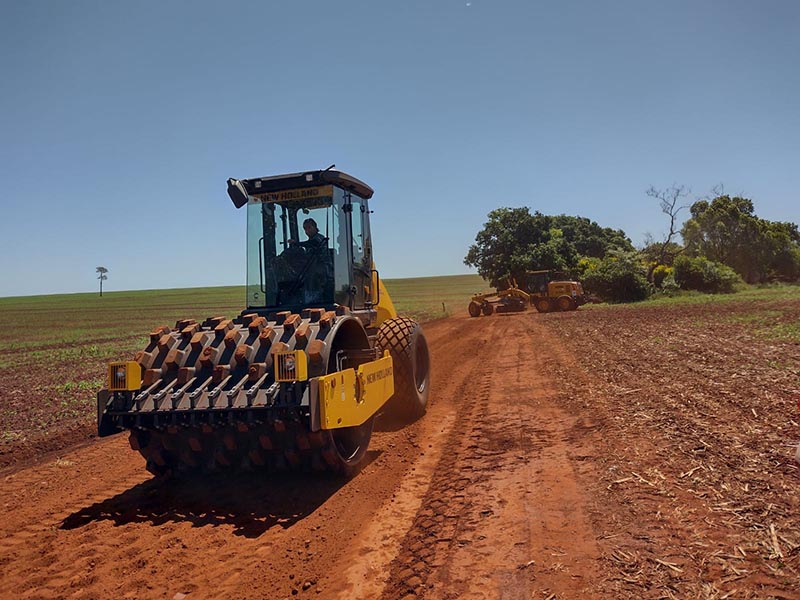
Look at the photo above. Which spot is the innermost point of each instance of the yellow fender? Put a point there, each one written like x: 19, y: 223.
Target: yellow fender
x: 349, y: 397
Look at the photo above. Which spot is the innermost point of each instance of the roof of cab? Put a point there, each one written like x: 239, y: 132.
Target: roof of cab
x: 276, y: 183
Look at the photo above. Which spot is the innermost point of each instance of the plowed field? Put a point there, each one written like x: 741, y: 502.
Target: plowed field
x: 624, y: 452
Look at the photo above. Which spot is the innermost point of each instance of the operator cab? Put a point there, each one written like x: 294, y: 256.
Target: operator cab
x: 308, y: 242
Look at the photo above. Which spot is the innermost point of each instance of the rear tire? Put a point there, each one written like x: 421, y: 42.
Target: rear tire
x: 487, y: 309
x: 406, y: 343
x: 544, y: 305
x: 565, y: 303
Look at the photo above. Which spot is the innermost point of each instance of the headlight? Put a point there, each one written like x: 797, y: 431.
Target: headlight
x: 124, y: 376
x: 291, y: 366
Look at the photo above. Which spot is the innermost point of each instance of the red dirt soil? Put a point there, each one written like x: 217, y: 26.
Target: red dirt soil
x: 573, y: 455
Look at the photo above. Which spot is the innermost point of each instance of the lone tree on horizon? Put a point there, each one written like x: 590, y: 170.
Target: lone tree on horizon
x: 102, y: 277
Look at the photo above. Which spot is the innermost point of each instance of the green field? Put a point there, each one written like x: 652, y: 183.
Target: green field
x: 426, y: 298
x: 36, y: 322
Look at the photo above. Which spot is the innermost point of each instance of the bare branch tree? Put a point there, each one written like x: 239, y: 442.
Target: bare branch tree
x: 716, y: 191
x: 670, y: 201
x: 102, y: 277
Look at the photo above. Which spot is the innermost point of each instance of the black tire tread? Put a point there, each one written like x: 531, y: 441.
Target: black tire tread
x: 395, y: 336
x: 564, y: 303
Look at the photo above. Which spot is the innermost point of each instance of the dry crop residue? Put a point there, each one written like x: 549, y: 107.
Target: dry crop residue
x: 697, y: 424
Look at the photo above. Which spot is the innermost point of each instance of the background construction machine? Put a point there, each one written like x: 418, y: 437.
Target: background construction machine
x: 511, y: 299
x: 550, y: 291
x: 296, y: 380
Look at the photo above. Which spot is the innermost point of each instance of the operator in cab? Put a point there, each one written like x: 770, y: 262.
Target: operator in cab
x: 316, y: 275
x: 315, y: 239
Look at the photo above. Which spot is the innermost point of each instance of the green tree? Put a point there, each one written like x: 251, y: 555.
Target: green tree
x: 727, y: 230
x: 102, y: 277
x: 513, y: 241
x: 704, y: 275
x: 619, y: 277
x: 589, y: 238
x: 782, y: 242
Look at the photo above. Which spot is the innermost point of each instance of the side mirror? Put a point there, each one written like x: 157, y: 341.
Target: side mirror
x: 237, y: 193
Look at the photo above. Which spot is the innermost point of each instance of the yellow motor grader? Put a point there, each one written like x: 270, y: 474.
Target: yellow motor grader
x: 511, y: 299
x: 297, y: 379
x: 550, y: 292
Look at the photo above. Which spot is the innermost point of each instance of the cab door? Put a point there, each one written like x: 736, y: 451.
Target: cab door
x: 360, y: 251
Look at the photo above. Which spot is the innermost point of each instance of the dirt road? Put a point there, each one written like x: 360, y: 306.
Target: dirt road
x: 498, y: 492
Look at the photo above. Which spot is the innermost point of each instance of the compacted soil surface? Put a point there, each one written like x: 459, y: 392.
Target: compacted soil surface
x: 604, y: 453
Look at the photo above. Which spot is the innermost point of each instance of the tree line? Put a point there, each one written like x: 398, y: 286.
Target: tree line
x: 721, y: 245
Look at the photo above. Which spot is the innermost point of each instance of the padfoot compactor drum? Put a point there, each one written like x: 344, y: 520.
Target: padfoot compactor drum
x: 297, y: 379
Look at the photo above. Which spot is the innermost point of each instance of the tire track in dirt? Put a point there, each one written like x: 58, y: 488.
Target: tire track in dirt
x: 503, y: 503
x: 33, y: 538
x: 381, y: 539
x: 435, y: 523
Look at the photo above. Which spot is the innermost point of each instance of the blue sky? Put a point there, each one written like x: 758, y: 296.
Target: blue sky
x: 121, y: 121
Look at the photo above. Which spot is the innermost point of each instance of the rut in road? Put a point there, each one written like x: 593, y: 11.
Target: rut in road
x: 503, y: 516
